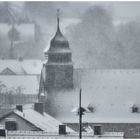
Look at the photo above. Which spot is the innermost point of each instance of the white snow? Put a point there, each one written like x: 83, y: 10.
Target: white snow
x: 111, y: 92
x: 28, y: 83
x: 27, y: 66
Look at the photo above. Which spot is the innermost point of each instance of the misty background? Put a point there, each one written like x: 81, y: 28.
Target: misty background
x: 100, y: 34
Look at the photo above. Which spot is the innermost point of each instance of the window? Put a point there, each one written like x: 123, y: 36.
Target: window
x: 11, y: 124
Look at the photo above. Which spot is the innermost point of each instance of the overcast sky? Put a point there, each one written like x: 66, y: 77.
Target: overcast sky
x: 72, y: 11
x: 104, y: 45
x: 121, y: 11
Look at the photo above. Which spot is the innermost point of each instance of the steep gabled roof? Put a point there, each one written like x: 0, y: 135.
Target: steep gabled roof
x: 42, y: 121
x: 13, y: 65
x: 22, y: 67
x: 7, y: 71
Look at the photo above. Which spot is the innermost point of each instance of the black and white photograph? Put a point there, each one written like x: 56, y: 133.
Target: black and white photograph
x: 69, y: 69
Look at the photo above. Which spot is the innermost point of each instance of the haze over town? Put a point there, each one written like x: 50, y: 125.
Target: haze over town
x: 101, y: 34
x: 69, y: 70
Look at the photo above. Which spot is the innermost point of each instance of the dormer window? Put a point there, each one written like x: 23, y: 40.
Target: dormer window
x: 135, y: 109
x: 90, y: 108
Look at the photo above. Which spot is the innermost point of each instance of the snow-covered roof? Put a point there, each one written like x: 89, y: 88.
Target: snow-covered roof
x: 26, y: 66
x: 43, y: 121
x: 28, y: 83
x: 32, y: 66
x: 112, y: 93
x: 13, y: 65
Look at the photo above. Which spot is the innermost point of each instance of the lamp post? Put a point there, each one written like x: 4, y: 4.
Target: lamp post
x: 80, y: 116
x: 81, y: 111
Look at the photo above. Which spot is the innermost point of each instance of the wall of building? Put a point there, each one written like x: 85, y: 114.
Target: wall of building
x: 131, y: 130
x: 59, y: 76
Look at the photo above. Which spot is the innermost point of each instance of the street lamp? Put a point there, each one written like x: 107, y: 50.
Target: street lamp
x: 80, y: 116
x: 80, y: 111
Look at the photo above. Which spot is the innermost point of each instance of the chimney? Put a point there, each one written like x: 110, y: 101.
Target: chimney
x: 39, y: 107
x: 98, y: 130
x: 62, y: 129
x: 42, y: 98
x: 20, y: 59
x: 19, y: 108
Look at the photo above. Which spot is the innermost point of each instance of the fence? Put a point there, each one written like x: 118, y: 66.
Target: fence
x: 11, y: 99
x: 55, y: 135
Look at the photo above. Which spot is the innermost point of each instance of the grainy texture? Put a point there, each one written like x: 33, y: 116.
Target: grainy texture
x: 131, y: 130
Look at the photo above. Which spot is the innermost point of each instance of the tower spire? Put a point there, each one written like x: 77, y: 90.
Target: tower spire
x: 58, y: 42
x: 58, y: 20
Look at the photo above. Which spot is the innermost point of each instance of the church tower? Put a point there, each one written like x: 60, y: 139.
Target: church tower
x: 59, y: 67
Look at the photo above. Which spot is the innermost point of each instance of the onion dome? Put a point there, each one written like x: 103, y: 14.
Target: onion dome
x: 59, y: 42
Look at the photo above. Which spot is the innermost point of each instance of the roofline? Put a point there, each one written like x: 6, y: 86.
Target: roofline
x: 21, y: 74
x: 5, y: 115
x: 102, y: 69
x: 98, y: 122
x: 20, y: 61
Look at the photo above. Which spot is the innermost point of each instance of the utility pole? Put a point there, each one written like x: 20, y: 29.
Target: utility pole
x: 80, y: 116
